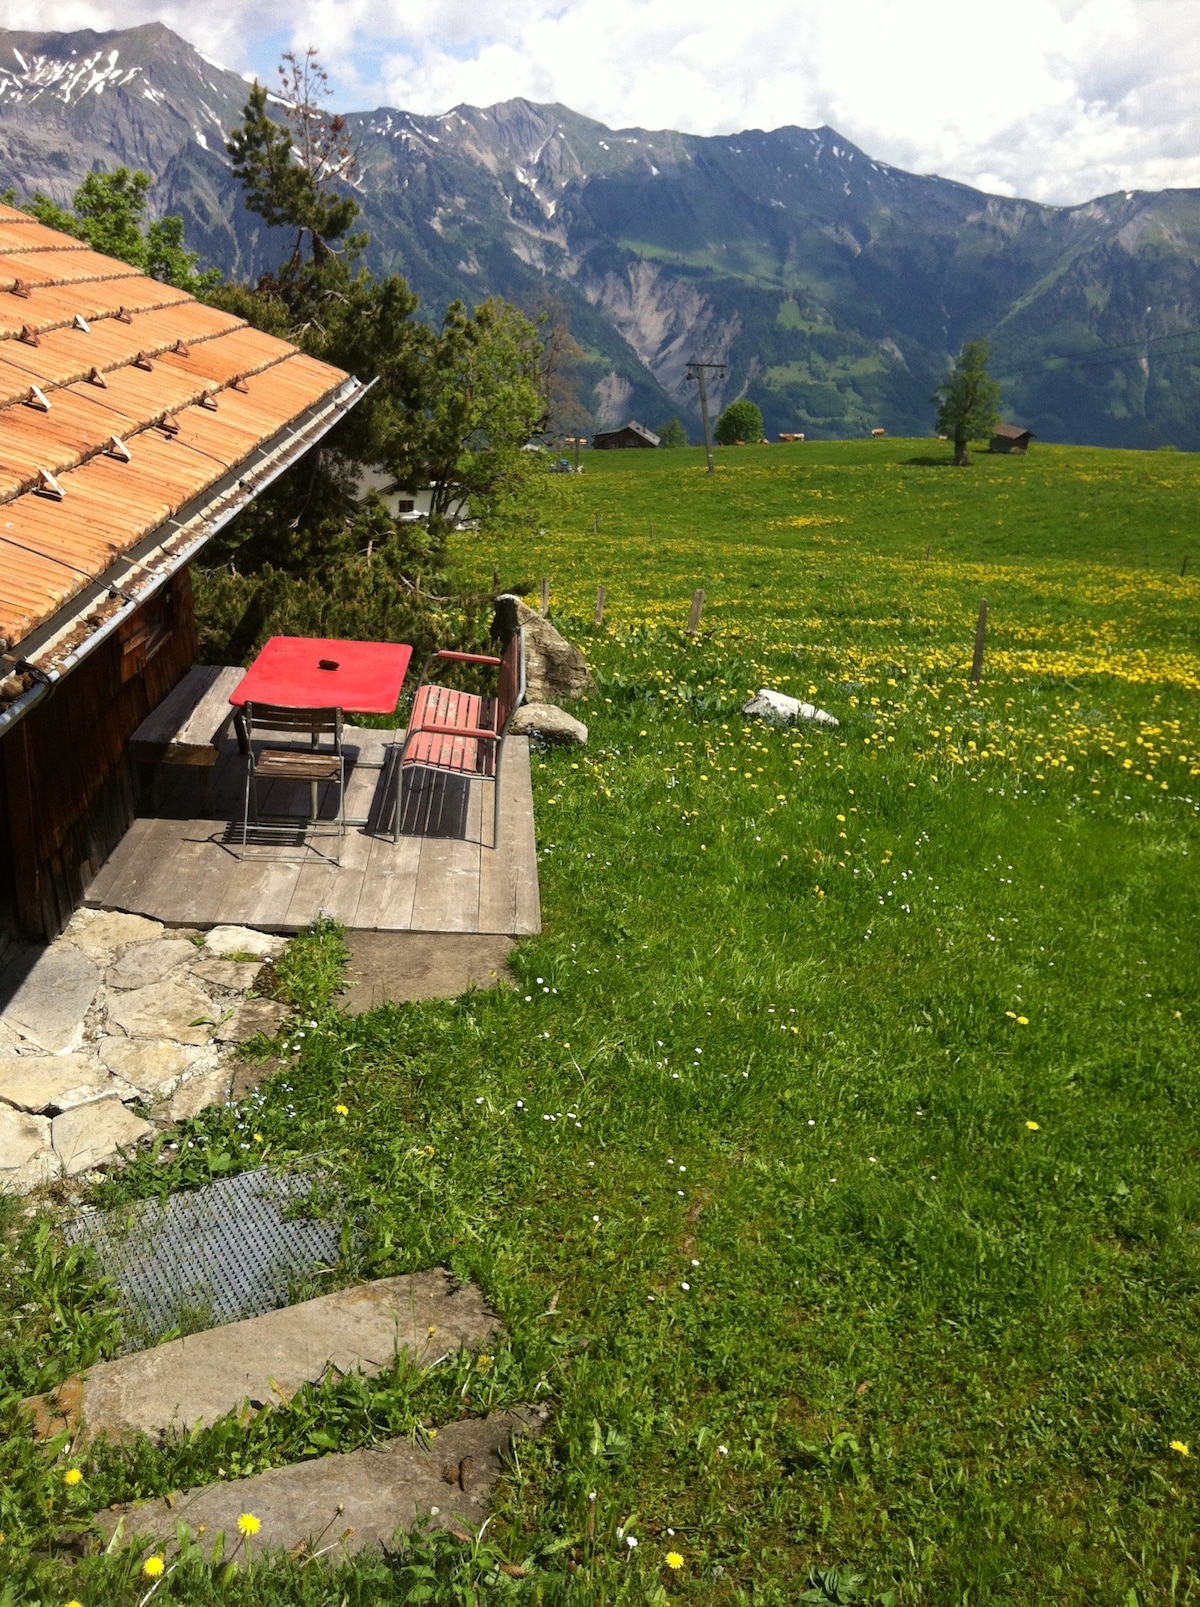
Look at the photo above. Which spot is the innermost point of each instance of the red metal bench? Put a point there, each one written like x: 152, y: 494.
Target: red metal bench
x: 462, y: 733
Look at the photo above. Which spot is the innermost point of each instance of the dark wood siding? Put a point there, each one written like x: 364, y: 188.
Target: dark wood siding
x: 68, y: 792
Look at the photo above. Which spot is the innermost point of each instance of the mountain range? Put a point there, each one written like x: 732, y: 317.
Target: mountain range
x: 835, y: 287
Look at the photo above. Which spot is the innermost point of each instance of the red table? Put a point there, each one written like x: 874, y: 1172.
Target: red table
x: 308, y: 672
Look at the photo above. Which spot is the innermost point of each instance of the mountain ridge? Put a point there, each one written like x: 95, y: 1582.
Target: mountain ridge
x: 835, y: 286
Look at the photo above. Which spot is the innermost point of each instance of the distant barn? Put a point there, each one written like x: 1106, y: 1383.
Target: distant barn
x: 631, y: 434
x: 1011, y: 438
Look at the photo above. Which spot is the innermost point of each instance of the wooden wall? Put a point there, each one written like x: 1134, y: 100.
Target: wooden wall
x: 68, y: 792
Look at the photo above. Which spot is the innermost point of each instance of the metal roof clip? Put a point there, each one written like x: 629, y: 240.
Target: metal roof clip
x: 209, y: 402
x: 97, y: 378
x: 48, y: 486
x: 124, y: 316
x: 80, y: 322
x: 182, y: 349
x: 168, y: 426
x: 29, y: 336
x: 116, y: 448
x: 20, y: 288
x: 142, y: 361
x: 38, y: 398
x: 240, y: 385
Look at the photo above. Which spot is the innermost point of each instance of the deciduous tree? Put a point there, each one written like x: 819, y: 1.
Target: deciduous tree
x: 968, y: 400
x: 741, y: 421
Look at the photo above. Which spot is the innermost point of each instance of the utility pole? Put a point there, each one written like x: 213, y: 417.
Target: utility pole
x: 697, y: 371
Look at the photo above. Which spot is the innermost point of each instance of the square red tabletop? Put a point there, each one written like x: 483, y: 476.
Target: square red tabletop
x: 309, y: 672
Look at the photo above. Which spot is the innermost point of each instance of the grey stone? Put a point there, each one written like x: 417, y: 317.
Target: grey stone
x: 52, y: 1082
x: 336, y: 1505
x: 779, y: 709
x: 11, y: 1041
x: 261, y: 1360
x: 102, y: 935
x: 49, y: 1002
x: 26, y: 1157
x: 93, y: 1135
x: 555, y: 669
x: 145, y: 963
x: 252, y: 1016
x: 196, y: 1093
x: 237, y: 975
x: 391, y: 967
x: 178, y: 1010
x: 242, y: 940
x: 550, y: 723
x: 152, y: 1065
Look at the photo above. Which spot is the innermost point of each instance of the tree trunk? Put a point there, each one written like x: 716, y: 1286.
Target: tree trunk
x: 962, y: 457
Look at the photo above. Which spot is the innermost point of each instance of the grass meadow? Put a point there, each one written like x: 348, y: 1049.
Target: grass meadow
x: 834, y: 1164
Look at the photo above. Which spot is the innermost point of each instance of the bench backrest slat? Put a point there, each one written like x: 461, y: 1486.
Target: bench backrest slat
x: 511, y: 692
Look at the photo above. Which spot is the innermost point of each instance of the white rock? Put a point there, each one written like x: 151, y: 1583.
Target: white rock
x: 92, y: 1135
x: 210, y: 1087
x: 103, y: 933
x: 779, y: 709
x: 153, y: 1066
x: 181, y: 1011
x: 224, y: 940
x: 145, y: 963
x: 551, y: 723
x: 237, y: 975
x: 48, y: 1002
x: 26, y: 1158
x: 51, y: 1082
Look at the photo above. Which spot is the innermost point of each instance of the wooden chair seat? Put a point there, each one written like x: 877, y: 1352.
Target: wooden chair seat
x: 282, y: 765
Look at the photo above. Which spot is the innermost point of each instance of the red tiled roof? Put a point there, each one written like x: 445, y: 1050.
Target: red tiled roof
x: 121, y: 401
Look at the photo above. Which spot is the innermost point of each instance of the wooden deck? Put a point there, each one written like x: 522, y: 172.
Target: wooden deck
x: 185, y: 865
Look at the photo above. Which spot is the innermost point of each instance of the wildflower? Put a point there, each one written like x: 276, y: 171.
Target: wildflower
x: 631, y: 1542
x: 485, y: 1361
x: 342, y: 1110
x: 72, y: 1476
x: 674, y: 1559
x: 1180, y: 1447
x: 153, y: 1567
x: 1034, y: 1127
x: 249, y: 1524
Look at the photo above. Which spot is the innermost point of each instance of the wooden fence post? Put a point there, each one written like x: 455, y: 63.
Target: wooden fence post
x: 595, y: 524
x: 495, y: 579
x: 980, y: 636
x: 600, y: 596
x: 693, y: 624
x: 545, y: 596
x: 652, y: 530
x: 1183, y: 571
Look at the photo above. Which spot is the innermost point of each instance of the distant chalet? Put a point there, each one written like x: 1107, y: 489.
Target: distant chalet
x: 1011, y: 438
x: 631, y: 434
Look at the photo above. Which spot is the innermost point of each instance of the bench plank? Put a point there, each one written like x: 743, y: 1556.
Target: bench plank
x: 188, y: 725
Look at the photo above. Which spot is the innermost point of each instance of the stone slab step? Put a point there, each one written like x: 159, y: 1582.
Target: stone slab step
x: 264, y: 1360
x: 336, y: 1505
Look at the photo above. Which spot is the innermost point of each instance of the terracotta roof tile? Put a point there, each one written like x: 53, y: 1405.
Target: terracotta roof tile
x: 140, y: 371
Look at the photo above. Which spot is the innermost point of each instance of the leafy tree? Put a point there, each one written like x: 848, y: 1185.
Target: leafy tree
x: 108, y: 211
x: 673, y: 434
x: 566, y: 412
x: 968, y: 400
x: 741, y: 421
x: 292, y: 170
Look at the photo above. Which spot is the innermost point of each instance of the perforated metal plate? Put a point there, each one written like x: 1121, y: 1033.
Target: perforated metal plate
x: 210, y: 1256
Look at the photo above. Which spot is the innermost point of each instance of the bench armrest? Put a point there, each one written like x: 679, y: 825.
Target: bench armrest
x: 453, y: 731
x: 466, y: 658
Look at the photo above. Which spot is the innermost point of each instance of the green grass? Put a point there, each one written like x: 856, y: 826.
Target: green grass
x: 799, y: 997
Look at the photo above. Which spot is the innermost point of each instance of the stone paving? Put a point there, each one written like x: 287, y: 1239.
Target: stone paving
x: 116, y: 1018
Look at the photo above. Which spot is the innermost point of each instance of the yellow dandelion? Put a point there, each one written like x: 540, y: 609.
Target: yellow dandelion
x: 674, y: 1559
x: 1022, y: 1021
x: 485, y: 1361
x: 74, y: 1604
x: 153, y: 1567
x: 342, y: 1110
x: 72, y: 1476
x: 1180, y: 1447
x: 249, y: 1524
x: 1034, y: 1127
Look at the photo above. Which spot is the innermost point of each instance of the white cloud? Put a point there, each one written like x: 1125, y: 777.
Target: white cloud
x: 1055, y: 99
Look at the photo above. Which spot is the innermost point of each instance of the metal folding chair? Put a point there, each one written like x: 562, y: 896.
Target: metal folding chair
x: 318, y: 766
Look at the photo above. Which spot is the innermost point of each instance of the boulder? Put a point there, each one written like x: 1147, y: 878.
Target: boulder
x: 779, y: 709
x: 555, y: 669
x: 223, y: 940
x: 181, y: 1011
x: 550, y: 723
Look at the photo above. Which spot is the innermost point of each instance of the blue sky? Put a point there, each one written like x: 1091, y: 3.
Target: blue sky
x: 1059, y: 100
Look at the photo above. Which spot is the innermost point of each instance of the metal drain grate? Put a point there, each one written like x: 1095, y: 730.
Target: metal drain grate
x: 208, y: 1257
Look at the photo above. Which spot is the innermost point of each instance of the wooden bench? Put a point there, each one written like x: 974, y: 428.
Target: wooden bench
x: 189, y: 725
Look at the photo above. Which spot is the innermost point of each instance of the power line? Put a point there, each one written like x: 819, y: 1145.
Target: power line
x: 1107, y: 356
